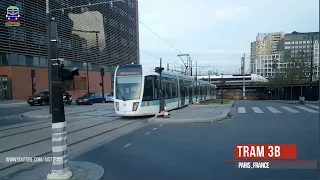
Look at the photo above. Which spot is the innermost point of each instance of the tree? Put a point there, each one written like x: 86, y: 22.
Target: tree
x: 298, y: 70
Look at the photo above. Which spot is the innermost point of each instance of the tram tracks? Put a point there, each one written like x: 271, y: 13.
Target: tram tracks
x: 48, y: 125
x: 75, y: 137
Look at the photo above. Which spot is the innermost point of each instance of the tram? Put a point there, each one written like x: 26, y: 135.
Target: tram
x: 137, y: 89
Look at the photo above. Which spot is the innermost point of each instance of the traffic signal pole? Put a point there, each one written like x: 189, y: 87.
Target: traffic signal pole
x: 60, y: 169
x: 33, y: 73
x: 102, y: 83
x: 49, y: 60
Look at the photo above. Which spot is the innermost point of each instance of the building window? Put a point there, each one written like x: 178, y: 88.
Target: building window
x: 287, y: 42
x: 14, y: 59
x: 36, y: 61
x: 300, y: 47
x: 43, y: 62
x: 304, y: 42
x: 287, y: 47
x: 296, y: 42
x: 308, y: 42
x: 300, y: 42
x: 4, y: 59
x: 29, y: 60
x: 304, y: 46
x: 22, y: 60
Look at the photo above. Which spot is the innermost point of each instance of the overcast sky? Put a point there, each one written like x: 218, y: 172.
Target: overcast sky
x: 216, y: 33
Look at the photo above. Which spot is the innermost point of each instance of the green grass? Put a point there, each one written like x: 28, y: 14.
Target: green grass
x: 216, y: 101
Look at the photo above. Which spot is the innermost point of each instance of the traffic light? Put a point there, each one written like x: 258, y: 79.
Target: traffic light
x: 67, y: 73
x: 158, y: 69
x: 33, y: 73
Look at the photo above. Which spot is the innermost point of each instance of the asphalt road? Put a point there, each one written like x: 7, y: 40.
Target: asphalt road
x: 197, y: 151
x: 11, y: 114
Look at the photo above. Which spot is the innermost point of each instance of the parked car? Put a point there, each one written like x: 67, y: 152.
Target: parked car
x: 90, y: 98
x: 43, y: 98
x: 108, y: 97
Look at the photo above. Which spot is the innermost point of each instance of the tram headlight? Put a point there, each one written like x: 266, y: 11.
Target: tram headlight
x: 135, y: 106
x: 117, y: 106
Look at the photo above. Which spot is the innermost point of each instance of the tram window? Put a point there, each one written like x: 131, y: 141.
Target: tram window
x: 168, y: 88
x: 148, y: 89
x: 156, y: 85
x: 174, y: 88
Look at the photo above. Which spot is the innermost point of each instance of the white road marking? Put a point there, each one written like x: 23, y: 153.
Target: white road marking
x: 289, y: 109
x: 127, y: 145
x: 273, y: 110
x: 6, y: 117
x: 241, y: 110
x: 154, y: 128
x: 317, y: 107
x: 160, y: 125
x: 307, y: 109
x: 257, y: 110
x: 147, y: 133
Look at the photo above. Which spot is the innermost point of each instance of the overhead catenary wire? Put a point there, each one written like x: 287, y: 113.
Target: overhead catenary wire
x: 160, y: 37
x: 150, y: 54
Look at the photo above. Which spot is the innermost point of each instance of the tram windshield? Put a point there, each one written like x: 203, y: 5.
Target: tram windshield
x: 128, y: 87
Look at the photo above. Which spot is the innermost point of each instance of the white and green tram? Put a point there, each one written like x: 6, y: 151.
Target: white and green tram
x: 136, y: 90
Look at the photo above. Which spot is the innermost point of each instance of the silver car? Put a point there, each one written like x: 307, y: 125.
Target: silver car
x: 108, y: 97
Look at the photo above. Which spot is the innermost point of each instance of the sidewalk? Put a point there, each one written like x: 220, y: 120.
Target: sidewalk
x: 197, y: 114
x: 69, y: 110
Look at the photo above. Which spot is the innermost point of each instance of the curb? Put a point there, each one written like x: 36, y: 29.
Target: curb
x: 49, y: 116
x: 225, y: 115
x: 230, y: 104
x: 12, y: 104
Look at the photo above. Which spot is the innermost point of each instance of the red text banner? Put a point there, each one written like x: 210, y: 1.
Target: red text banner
x: 265, y: 151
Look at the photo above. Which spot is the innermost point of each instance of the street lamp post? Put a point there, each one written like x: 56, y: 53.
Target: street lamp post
x: 87, y: 63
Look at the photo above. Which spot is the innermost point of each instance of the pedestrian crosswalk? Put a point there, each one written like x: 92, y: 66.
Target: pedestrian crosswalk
x: 279, y: 110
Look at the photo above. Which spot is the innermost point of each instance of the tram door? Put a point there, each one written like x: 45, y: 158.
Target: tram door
x: 182, y: 93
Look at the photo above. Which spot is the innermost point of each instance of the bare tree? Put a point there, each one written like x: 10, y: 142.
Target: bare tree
x: 297, y: 71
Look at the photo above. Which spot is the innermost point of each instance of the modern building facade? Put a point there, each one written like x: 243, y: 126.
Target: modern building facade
x: 307, y: 42
x: 91, y: 36
x: 265, y: 64
x: 265, y: 44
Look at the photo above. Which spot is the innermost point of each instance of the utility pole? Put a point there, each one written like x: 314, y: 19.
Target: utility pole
x: 87, y: 69
x: 243, y: 72
x: 102, y: 83
x: 222, y: 83
x: 167, y: 66
x: 33, y: 85
x: 197, y: 90
x: 159, y: 70
x: 59, y: 135
x: 191, y: 67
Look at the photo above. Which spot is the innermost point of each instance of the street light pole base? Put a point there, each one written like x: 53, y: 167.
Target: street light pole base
x: 57, y: 176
